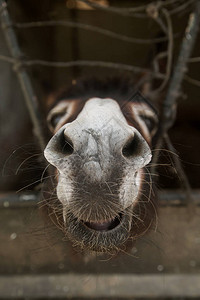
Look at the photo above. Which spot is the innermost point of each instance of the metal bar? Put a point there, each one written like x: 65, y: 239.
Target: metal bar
x: 169, y: 109
x: 177, y: 197
x: 24, y: 80
x: 91, y: 286
x: 169, y: 104
x: 91, y: 28
x: 27, y: 199
x: 13, y: 200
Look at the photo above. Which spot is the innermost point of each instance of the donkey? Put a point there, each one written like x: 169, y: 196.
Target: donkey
x: 101, y: 147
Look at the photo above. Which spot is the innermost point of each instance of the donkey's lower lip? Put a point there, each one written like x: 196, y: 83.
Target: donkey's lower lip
x: 102, y: 236
x: 104, y: 226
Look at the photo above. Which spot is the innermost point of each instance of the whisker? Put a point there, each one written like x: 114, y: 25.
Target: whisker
x: 25, y: 161
x: 42, y: 176
x: 37, y: 181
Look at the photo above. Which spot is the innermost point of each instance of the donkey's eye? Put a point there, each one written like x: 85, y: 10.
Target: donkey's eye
x: 150, y: 122
x: 56, y: 118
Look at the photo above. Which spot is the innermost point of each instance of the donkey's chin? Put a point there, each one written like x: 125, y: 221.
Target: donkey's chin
x: 100, y: 236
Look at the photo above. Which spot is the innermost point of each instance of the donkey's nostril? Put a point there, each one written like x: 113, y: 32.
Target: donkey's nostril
x: 132, y: 147
x: 66, y: 145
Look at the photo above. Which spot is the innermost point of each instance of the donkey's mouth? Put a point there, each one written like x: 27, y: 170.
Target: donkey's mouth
x: 101, y: 236
x: 104, y: 225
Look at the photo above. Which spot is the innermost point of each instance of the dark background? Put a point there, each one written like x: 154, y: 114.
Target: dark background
x: 62, y: 43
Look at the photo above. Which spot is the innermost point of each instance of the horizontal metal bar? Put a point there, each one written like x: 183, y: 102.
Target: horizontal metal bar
x: 177, y: 197
x: 13, y: 200
x: 165, y: 198
x: 95, y: 286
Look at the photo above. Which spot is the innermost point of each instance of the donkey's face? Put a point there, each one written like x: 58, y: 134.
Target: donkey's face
x: 100, y: 148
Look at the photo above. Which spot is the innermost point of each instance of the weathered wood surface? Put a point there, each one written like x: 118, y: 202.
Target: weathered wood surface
x: 116, y: 286
x: 29, y: 244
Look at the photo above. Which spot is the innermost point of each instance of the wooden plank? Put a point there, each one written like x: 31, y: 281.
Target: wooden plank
x: 31, y: 243
x: 95, y: 286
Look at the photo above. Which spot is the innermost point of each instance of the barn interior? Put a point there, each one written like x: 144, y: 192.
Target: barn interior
x: 167, y: 260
